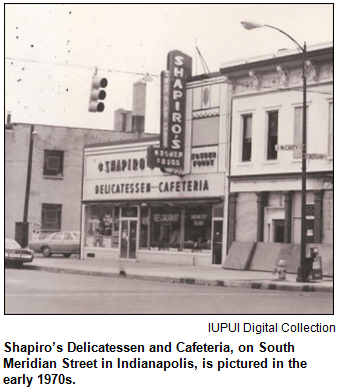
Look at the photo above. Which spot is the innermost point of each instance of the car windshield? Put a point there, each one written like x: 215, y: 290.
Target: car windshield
x: 11, y: 244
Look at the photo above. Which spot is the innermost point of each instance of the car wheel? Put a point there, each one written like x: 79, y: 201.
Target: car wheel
x: 46, y: 251
x: 67, y: 254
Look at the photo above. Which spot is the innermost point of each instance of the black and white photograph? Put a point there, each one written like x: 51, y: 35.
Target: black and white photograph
x: 169, y: 159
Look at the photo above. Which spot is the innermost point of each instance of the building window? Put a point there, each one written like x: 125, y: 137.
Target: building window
x: 51, y: 217
x: 53, y: 163
x: 246, y: 137
x: 330, y: 138
x: 272, y: 135
x: 206, y: 97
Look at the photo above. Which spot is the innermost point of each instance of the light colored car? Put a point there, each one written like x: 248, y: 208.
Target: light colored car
x: 15, y: 254
x: 65, y: 243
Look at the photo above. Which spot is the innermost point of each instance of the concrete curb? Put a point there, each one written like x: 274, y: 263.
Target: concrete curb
x: 279, y: 285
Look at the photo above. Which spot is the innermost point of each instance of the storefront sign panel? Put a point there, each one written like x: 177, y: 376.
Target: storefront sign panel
x: 173, y: 110
x: 159, y: 187
x: 163, y: 158
x: 204, y: 159
x: 179, y: 67
x: 127, y: 164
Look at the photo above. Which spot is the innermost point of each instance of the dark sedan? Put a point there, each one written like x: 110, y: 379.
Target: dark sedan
x: 15, y: 254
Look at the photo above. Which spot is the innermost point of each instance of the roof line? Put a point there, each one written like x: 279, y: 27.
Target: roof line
x: 124, y: 142
x: 73, y: 127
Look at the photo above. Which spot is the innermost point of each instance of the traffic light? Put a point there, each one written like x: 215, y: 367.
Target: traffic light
x: 97, y: 94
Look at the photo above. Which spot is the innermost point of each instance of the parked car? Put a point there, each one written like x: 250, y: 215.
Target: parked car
x: 15, y: 254
x: 65, y: 243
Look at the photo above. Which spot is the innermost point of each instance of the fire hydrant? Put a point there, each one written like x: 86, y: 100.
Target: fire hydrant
x: 281, y: 269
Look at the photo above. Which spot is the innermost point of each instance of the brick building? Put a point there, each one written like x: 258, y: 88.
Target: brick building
x: 55, y: 191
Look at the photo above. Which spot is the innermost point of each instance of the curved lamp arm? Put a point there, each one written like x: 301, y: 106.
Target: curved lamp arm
x: 252, y: 25
x: 289, y: 36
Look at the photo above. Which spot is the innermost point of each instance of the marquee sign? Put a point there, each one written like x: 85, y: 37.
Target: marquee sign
x: 154, y: 187
x: 173, y: 108
x: 131, y: 163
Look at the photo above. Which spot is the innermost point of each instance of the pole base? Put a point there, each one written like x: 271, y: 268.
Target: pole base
x: 300, y: 274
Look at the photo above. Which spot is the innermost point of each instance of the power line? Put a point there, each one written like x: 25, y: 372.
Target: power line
x: 80, y: 66
x: 296, y: 89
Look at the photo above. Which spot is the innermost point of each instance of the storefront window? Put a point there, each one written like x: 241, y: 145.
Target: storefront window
x: 166, y: 224
x: 98, y: 228
x: 144, y: 227
x: 198, y: 224
x: 165, y: 227
x: 160, y: 227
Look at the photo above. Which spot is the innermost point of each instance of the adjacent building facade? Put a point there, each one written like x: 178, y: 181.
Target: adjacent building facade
x: 44, y: 165
x: 265, y: 170
x: 54, y: 199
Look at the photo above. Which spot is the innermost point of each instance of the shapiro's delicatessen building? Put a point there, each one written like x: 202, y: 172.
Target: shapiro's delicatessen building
x: 162, y: 199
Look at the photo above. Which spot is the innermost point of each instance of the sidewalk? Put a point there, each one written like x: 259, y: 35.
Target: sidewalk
x: 212, y: 276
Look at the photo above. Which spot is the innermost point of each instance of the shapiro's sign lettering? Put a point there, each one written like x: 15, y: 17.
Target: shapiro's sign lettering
x: 173, y: 104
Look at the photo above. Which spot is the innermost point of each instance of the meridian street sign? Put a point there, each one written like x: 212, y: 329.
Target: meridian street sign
x: 316, y: 156
x: 310, y: 156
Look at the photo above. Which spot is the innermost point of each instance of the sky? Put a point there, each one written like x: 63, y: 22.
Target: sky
x: 52, y: 51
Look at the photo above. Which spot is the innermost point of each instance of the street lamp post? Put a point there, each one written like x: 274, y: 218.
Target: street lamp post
x: 29, y: 173
x: 301, y: 273
x: 22, y: 227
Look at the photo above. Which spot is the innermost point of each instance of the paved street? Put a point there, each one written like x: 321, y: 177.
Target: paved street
x: 36, y: 292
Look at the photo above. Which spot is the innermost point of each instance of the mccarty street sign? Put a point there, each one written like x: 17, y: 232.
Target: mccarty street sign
x: 310, y: 156
x: 288, y: 147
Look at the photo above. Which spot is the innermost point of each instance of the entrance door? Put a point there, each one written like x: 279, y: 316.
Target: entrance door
x: 128, y: 239
x: 279, y: 229
x: 217, y: 242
